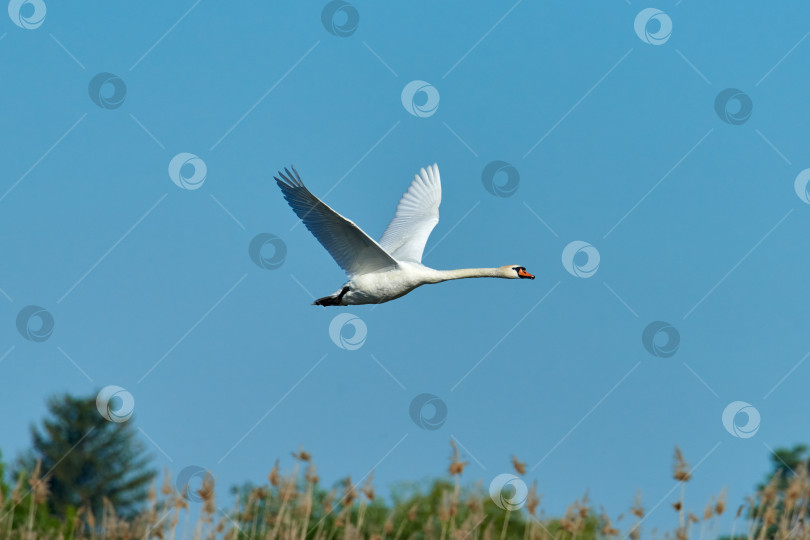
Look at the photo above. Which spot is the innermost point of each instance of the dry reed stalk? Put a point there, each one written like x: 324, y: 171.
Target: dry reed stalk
x: 520, y: 468
x: 445, y: 526
x: 428, y: 527
x: 184, y: 498
x: 91, y: 523
x: 708, y: 512
x: 456, y: 465
x: 734, y: 522
x: 178, y: 503
x: 361, y: 512
x: 409, y: 517
x: 3, y: 514
x: 104, y: 519
x: 16, y: 498
x: 327, y: 508
x: 682, y: 474
x: 453, y: 503
x: 368, y: 491
x: 607, y: 526
x: 505, y: 523
x: 307, y: 510
x: 533, y: 499
x: 768, y: 518
x: 762, y: 512
x: 638, y: 512
x: 252, y: 506
x: 38, y: 493
x: 752, y: 516
x: 720, y: 506
x: 286, y: 489
x: 151, y: 513
x: 456, y: 469
x: 312, y: 480
x: 444, y: 514
x: 346, y: 501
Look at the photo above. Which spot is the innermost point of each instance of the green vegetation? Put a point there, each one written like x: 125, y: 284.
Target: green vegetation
x: 88, y: 459
x: 85, y: 478
x: 78, y: 463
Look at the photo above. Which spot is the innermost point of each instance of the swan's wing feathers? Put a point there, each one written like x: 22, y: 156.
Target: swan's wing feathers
x: 351, y: 248
x: 417, y: 214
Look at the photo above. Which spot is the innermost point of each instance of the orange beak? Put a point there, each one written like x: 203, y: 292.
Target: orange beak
x: 524, y: 274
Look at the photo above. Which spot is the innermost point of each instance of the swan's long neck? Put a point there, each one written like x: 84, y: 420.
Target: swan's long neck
x: 446, y: 275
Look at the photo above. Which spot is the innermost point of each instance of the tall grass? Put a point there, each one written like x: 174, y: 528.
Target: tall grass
x: 293, y: 506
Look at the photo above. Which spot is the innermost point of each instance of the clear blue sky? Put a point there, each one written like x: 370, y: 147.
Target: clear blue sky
x: 136, y: 270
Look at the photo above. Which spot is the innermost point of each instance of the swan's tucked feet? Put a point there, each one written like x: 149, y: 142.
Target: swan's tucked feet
x: 332, y: 299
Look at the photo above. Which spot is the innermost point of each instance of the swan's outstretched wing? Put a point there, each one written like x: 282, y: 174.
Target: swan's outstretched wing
x: 351, y: 248
x: 417, y: 214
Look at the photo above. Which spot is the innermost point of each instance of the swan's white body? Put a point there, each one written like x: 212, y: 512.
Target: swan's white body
x: 384, y: 271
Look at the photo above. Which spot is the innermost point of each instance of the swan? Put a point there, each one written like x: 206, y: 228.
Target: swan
x: 384, y: 271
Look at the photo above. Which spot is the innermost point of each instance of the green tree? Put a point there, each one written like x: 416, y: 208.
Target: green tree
x: 770, y: 507
x: 784, y: 462
x: 4, y: 489
x: 87, y: 458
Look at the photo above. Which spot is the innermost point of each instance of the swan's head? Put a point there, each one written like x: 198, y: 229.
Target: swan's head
x: 513, y: 271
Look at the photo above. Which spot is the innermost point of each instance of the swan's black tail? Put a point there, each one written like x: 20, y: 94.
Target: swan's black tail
x: 332, y: 299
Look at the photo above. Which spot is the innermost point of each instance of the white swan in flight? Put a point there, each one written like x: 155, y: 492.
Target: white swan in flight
x: 379, y: 272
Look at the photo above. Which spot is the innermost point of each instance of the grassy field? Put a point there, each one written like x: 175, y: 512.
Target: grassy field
x: 294, y: 506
